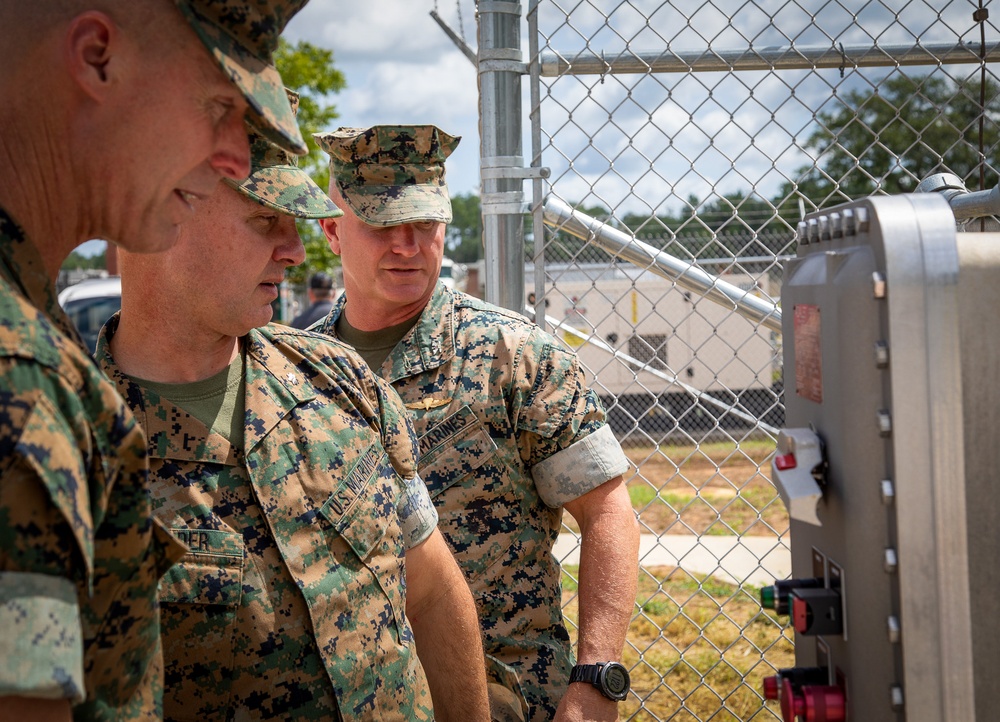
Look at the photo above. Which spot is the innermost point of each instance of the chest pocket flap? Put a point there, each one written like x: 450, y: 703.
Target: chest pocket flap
x: 210, y: 573
x: 364, y: 503
x: 453, y: 449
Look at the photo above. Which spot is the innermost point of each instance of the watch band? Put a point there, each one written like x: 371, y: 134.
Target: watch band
x: 586, y: 673
x: 610, y: 678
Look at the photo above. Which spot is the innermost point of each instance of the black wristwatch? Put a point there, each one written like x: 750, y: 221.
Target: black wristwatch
x: 610, y: 678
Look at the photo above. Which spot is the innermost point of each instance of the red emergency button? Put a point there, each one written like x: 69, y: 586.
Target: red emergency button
x: 813, y: 703
x: 792, y: 704
x: 784, y: 462
x: 824, y: 704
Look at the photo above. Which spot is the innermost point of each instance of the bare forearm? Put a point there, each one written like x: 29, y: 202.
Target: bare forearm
x: 443, y: 616
x: 608, y: 579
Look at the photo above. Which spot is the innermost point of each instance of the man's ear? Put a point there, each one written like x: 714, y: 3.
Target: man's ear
x: 331, y: 228
x: 91, y: 41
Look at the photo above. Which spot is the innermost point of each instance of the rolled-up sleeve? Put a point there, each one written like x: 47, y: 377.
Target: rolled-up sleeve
x: 564, y: 437
x: 41, y: 647
x: 417, y: 515
x: 572, y: 472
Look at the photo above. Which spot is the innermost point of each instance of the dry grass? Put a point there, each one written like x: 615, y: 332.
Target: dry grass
x: 716, y: 488
x: 698, y: 649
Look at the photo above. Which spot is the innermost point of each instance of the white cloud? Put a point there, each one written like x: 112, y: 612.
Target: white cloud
x: 400, y: 67
x: 371, y: 31
x: 393, y: 91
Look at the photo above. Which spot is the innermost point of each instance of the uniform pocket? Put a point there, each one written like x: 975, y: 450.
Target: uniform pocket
x: 366, y: 545
x: 479, y: 511
x: 364, y: 514
x: 362, y: 506
x: 210, y: 573
x: 199, y: 603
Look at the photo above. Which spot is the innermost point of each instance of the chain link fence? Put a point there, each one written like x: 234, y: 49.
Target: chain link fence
x: 706, y: 130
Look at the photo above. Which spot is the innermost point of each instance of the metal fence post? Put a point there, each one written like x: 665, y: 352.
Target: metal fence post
x: 500, y: 69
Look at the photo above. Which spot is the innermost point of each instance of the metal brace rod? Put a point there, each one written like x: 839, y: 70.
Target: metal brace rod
x: 685, y: 274
x: 459, y: 42
x: 786, y: 57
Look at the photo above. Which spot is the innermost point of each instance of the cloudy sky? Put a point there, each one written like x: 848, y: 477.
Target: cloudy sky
x: 401, y: 67
x: 627, y: 142
x: 632, y: 143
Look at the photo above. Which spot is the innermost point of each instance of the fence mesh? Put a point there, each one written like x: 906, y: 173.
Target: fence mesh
x: 706, y: 129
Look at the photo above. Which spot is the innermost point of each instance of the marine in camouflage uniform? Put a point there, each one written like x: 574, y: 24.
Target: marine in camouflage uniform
x: 80, y: 553
x: 302, y: 508
x: 290, y: 603
x: 509, y: 432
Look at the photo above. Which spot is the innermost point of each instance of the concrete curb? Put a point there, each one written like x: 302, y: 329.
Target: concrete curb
x: 756, y: 560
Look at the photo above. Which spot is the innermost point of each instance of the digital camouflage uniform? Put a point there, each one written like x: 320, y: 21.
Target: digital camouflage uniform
x: 508, y: 434
x: 290, y: 603
x: 80, y: 555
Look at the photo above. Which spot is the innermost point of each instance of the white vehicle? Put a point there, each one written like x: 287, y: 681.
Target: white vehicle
x: 451, y: 272
x: 90, y: 303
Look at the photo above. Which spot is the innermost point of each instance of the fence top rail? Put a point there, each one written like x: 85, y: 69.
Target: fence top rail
x: 786, y: 57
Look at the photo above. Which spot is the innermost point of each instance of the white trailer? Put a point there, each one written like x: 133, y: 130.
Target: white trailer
x: 656, y: 350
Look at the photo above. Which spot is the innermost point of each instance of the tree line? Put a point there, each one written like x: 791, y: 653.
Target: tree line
x: 884, y: 139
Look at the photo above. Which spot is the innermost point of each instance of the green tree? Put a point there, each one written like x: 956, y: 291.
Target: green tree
x: 890, y: 137
x: 464, y: 238
x: 309, y: 71
x: 77, y: 260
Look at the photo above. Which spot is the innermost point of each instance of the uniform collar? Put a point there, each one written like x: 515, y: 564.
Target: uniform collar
x: 428, y: 345
x: 273, y: 386
x: 21, y: 266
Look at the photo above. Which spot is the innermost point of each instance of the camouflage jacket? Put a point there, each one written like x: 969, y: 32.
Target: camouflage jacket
x: 80, y: 555
x: 290, y: 603
x: 508, y: 433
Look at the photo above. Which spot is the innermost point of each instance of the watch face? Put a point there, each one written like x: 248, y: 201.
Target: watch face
x: 615, y: 679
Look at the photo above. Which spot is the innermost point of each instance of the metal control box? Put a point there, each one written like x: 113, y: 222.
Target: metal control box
x: 888, y: 465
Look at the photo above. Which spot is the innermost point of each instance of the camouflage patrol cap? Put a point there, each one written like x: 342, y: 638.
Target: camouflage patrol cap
x: 242, y: 36
x: 391, y: 174
x: 276, y: 182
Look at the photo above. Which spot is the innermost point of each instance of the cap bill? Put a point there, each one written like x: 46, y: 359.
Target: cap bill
x: 261, y: 85
x: 289, y: 190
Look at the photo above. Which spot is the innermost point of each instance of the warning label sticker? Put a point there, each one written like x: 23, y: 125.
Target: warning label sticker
x: 808, y: 354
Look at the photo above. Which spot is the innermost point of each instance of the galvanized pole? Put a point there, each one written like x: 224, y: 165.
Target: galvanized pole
x: 501, y: 163
x: 538, y: 183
